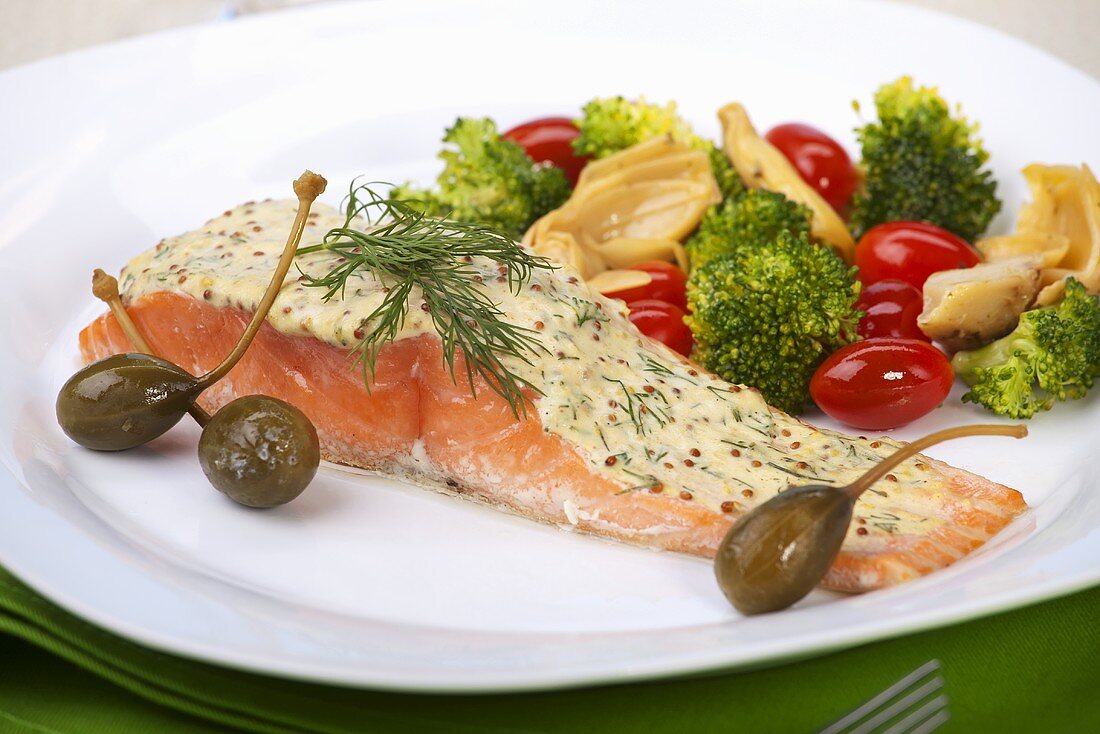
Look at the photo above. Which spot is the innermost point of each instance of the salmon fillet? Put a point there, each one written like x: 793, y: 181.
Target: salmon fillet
x: 416, y: 422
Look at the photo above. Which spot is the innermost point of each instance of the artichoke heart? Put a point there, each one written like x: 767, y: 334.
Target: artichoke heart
x: 1049, y: 248
x: 761, y: 165
x: 614, y: 281
x: 1061, y: 226
x: 635, y: 205
x: 970, y: 307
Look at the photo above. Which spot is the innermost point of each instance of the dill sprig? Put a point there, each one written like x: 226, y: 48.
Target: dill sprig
x: 412, y: 253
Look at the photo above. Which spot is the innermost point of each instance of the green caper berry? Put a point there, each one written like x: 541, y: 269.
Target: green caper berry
x: 778, y: 553
x: 124, y: 401
x: 259, y: 451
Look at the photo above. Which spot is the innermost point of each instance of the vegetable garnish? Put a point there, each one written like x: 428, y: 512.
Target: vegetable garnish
x: 631, y: 206
x: 414, y: 252
x: 761, y: 165
x: 754, y: 218
x: 882, y: 383
x: 127, y: 400
x: 1052, y: 354
x: 663, y: 282
x: 105, y: 288
x: 821, y: 161
x: 488, y: 179
x: 768, y: 315
x: 257, y: 450
x: 548, y: 140
x: 890, y: 309
x: 610, y: 124
x: 779, y: 552
x: 922, y: 163
x: 308, y: 187
x: 910, y: 251
x: 662, y: 321
x: 969, y: 307
x: 1060, y: 226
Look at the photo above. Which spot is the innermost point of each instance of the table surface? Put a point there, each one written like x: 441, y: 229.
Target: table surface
x: 47, y: 27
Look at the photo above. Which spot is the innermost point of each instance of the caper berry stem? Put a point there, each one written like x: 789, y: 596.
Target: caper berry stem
x: 105, y: 288
x: 859, y: 486
x: 307, y: 187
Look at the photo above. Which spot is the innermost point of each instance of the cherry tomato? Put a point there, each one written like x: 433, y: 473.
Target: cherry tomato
x: 819, y: 160
x: 882, y: 383
x: 910, y: 251
x: 664, y: 322
x: 667, y: 283
x: 549, y: 140
x: 890, y: 308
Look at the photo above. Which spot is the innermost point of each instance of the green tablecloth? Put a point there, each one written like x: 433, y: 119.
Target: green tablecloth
x: 1032, y: 670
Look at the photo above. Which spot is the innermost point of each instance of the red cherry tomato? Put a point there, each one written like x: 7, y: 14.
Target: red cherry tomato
x: 819, y: 160
x: 890, y: 308
x: 668, y: 283
x: 910, y: 251
x: 664, y: 322
x: 882, y: 383
x: 549, y: 140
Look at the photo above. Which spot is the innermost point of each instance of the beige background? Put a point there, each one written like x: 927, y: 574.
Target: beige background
x: 34, y: 29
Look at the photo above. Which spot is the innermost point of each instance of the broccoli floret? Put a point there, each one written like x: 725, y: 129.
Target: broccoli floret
x: 754, y: 219
x: 489, y: 180
x: 768, y: 316
x: 1053, y: 354
x: 611, y: 124
x: 921, y: 163
x: 729, y: 181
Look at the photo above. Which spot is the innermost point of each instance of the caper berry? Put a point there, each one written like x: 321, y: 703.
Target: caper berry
x: 259, y: 451
x: 778, y: 553
x: 124, y: 401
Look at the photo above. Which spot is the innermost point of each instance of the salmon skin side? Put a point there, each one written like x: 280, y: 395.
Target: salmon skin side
x: 416, y: 422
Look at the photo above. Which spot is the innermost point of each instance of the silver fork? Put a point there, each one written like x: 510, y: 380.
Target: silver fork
x: 915, y: 704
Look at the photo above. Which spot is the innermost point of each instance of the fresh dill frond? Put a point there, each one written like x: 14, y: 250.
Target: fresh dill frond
x: 414, y: 254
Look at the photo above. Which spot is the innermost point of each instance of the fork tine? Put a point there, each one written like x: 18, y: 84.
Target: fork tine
x: 880, y: 699
x: 903, y: 704
x: 923, y: 717
x: 933, y: 723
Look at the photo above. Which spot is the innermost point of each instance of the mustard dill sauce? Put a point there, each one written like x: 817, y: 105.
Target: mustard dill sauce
x: 638, y: 414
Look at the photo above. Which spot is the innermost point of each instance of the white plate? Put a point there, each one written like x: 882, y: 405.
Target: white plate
x: 364, y: 581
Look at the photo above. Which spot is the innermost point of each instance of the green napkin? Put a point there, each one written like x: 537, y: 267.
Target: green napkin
x: 1030, y: 670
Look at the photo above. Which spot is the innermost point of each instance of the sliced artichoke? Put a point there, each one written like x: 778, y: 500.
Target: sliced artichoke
x: 629, y: 207
x: 622, y: 252
x: 652, y: 160
x: 562, y: 247
x: 616, y: 281
x: 1061, y: 225
x: 1048, y: 247
x: 968, y: 308
x: 761, y: 164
